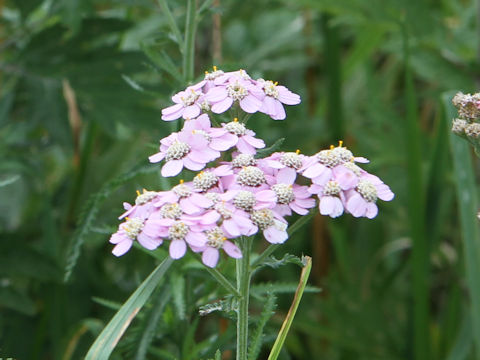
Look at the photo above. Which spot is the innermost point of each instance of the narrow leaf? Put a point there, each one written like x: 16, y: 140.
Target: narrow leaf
x: 468, y: 207
x: 282, y: 335
x: 111, y: 334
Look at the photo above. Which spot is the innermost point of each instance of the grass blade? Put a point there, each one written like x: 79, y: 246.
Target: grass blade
x: 468, y: 207
x: 282, y: 335
x: 416, y: 207
x: 111, y: 334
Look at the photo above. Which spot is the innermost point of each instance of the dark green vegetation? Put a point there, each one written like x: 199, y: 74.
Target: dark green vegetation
x: 82, y: 83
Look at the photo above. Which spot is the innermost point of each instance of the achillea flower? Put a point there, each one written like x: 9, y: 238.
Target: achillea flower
x: 180, y: 232
x: 235, y: 88
x: 216, y: 240
x: 290, y: 196
x: 129, y: 231
x: 361, y: 201
x: 273, y: 226
x: 275, y: 96
x: 187, y: 104
x: 184, y: 149
x: 331, y: 198
x: 236, y: 134
x: 281, y: 160
x: 190, y: 201
x: 143, y: 207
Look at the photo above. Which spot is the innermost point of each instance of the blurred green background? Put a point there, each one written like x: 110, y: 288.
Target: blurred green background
x: 82, y: 83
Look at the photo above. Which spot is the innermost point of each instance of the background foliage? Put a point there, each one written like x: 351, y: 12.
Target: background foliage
x: 82, y: 85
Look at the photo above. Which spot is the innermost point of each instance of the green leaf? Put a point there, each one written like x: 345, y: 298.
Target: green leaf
x: 111, y: 334
x: 468, y: 207
x: 282, y: 335
x: 178, y: 291
x: 9, y: 179
x: 90, y: 211
x: 151, y: 323
x: 261, y: 153
x: 256, y: 339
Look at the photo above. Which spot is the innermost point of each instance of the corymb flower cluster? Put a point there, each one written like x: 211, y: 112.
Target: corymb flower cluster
x: 236, y: 192
x: 468, y: 123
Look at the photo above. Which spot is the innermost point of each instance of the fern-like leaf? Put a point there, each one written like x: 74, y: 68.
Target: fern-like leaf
x: 256, y: 339
x: 90, y: 211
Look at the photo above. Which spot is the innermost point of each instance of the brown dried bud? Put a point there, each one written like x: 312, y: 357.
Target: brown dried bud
x: 473, y: 130
x: 458, y: 126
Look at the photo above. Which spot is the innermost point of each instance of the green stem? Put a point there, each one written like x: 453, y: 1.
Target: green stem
x: 171, y: 22
x: 189, y: 50
x: 222, y: 280
x: 243, y: 287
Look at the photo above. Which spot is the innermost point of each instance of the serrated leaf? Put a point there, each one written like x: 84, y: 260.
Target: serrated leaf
x: 287, y: 259
x: 178, y: 291
x: 261, y: 153
x: 228, y: 304
x: 256, y: 339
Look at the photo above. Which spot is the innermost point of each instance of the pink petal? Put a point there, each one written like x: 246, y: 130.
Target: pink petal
x: 384, y: 193
x: 331, y: 205
x: 231, y: 228
x: 314, y: 170
x: 287, y: 97
x: 258, y: 143
x: 232, y: 250
x: 356, y: 205
x: 266, y: 196
x: 224, y: 143
x: 286, y: 176
x: 279, y: 113
x: 222, y: 106
x: 188, y: 207
x: 172, y: 168
x: 210, y: 217
x: 345, y: 177
x: 191, y: 111
x: 196, y: 238
x: 216, y: 94
x: 372, y: 210
x: 147, y: 242
x: 172, y: 112
x: 250, y: 104
x: 244, y: 147
x: 157, y: 157
x: 177, y: 249
x: 192, y: 165
x: 298, y: 209
x: 200, y: 201
x: 305, y: 202
x: 122, y: 247
x: 274, y: 235
x: 210, y: 257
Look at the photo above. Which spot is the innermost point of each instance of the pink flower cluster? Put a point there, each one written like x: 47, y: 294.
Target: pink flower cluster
x: 247, y: 194
x: 219, y: 90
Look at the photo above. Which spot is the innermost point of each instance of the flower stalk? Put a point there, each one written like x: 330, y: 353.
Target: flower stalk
x: 243, y: 287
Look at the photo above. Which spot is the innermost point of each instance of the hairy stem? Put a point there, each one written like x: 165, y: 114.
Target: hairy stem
x: 243, y: 287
